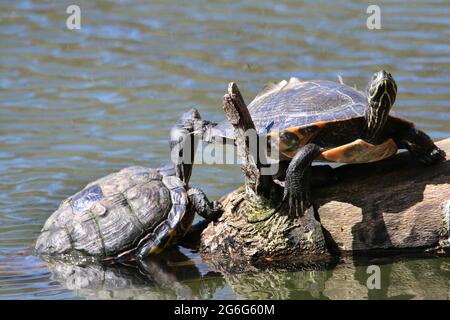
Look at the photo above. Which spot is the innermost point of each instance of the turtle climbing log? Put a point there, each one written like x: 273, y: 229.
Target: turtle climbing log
x: 321, y: 120
x: 250, y: 230
x: 390, y: 206
x: 131, y: 214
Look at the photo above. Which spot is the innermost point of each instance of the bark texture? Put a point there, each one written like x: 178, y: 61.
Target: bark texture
x: 238, y: 115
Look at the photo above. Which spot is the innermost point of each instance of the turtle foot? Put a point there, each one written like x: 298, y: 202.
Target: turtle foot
x: 432, y: 156
x: 216, y: 210
x: 295, y: 205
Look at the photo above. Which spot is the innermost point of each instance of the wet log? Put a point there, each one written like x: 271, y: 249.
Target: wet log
x: 396, y: 204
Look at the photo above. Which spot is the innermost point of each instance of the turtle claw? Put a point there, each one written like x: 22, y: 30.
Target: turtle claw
x: 206, y: 209
x: 298, y: 178
x: 433, y: 156
x: 295, y: 205
x: 421, y: 146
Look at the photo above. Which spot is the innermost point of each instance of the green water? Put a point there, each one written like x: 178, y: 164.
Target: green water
x: 77, y: 105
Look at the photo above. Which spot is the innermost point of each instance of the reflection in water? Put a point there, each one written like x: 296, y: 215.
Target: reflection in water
x: 279, y: 285
x: 400, y: 278
x: 154, y: 279
x: 175, y: 276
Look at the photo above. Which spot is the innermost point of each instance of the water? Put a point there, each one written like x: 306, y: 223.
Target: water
x: 77, y: 105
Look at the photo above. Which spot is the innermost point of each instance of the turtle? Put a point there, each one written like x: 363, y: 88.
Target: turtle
x: 322, y: 120
x: 130, y: 214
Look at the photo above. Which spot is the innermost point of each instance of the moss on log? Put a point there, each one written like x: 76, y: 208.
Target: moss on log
x: 252, y: 232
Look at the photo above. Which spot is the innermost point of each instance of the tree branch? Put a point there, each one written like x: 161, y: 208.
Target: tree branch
x: 238, y: 115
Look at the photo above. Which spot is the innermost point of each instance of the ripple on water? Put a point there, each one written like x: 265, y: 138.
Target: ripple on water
x: 77, y: 105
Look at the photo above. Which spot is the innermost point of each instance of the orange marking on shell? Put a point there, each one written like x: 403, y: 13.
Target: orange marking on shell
x: 320, y: 124
x: 333, y: 154
x: 294, y: 130
x: 360, y: 151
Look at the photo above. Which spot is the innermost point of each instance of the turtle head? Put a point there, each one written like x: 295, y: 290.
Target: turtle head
x: 182, y: 143
x: 380, y: 99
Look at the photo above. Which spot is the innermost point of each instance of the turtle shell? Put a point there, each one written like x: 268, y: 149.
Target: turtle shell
x: 296, y: 104
x: 114, y: 214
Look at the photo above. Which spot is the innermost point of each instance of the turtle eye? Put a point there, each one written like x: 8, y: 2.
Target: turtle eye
x: 290, y: 140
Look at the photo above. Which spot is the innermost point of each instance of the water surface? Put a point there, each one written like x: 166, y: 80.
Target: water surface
x: 77, y: 105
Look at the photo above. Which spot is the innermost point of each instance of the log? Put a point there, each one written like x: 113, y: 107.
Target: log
x: 395, y: 204
x: 389, y: 206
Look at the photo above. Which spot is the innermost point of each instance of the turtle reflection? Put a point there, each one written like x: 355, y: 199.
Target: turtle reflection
x: 172, y: 276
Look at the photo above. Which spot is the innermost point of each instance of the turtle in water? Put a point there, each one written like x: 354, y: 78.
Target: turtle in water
x: 133, y: 213
x: 328, y: 121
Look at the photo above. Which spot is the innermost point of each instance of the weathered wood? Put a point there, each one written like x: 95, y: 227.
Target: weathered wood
x: 392, y: 204
x: 396, y: 205
x: 241, y: 120
x: 254, y: 232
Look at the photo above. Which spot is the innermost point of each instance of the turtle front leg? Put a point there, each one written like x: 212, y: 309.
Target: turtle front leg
x: 206, y: 209
x: 297, y: 184
x: 420, y: 145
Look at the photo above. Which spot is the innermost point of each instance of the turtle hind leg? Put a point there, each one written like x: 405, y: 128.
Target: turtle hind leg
x: 154, y: 242
x: 420, y: 145
x: 297, y: 185
x: 201, y: 204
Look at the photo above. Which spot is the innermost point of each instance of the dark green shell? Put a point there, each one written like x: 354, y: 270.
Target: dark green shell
x: 112, y: 215
x: 296, y: 103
